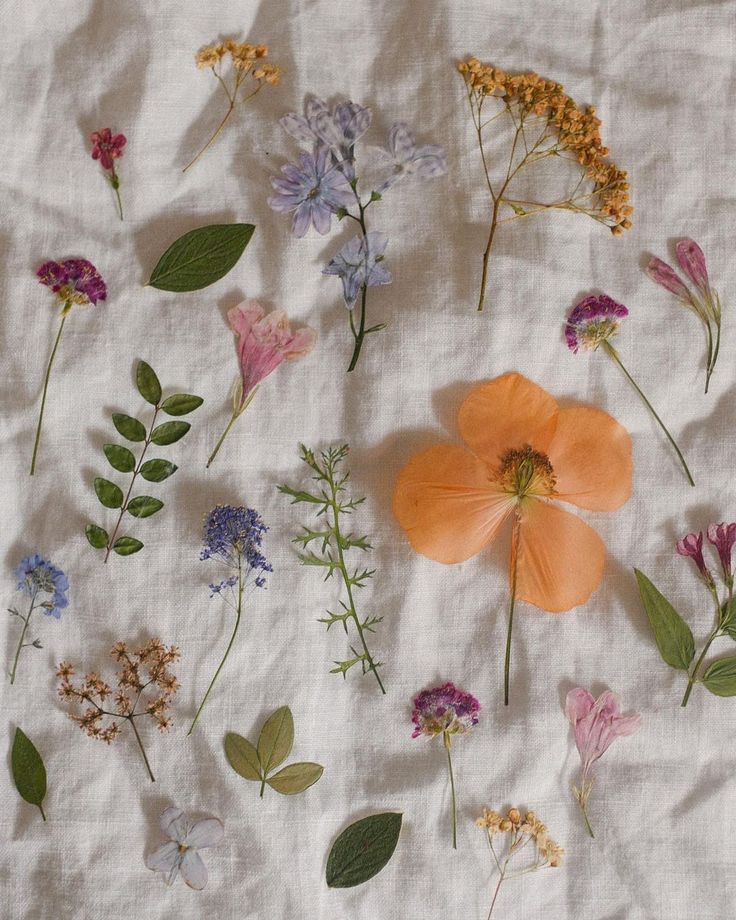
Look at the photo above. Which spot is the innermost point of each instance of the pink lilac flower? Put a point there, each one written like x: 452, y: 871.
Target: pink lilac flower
x: 691, y: 546
x: 593, y: 321
x: 360, y: 264
x: 107, y: 148
x: 597, y: 723
x: 404, y: 158
x: 74, y: 281
x: 314, y: 191
x: 180, y: 855
x: 723, y: 537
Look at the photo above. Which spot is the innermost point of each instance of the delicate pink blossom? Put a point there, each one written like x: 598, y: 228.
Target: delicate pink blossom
x: 692, y: 262
x: 723, y: 537
x: 107, y: 148
x: 691, y: 546
x: 667, y: 277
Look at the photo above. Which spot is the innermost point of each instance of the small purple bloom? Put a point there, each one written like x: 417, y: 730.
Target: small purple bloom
x: 723, y: 537
x: 313, y: 191
x: 444, y: 709
x: 692, y: 262
x: 691, y: 546
x: 404, y: 158
x: 593, y: 321
x: 180, y: 855
x: 234, y: 535
x: 338, y: 129
x: 73, y: 281
x: 360, y: 263
x: 665, y: 276
x: 36, y: 576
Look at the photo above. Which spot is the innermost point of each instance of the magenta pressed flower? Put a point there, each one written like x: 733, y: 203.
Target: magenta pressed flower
x: 723, y: 537
x: 691, y: 546
x: 692, y: 262
x: 597, y: 723
x: 445, y: 710
x: 108, y: 147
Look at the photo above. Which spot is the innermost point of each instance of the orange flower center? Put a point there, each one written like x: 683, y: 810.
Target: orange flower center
x: 526, y: 472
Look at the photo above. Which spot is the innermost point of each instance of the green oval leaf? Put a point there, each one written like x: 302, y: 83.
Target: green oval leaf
x: 295, y: 778
x: 97, y: 536
x: 144, y: 506
x: 673, y: 635
x: 29, y: 773
x: 129, y: 427
x: 108, y: 493
x: 720, y: 677
x: 242, y: 757
x: 181, y: 404
x: 276, y: 739
x: 147, y: 383
x: 120, y: 458
x: 201, y: 257
x: 363, y: 849
x: 126, y: 546
x: 158, y: 470
x: 169, y: 432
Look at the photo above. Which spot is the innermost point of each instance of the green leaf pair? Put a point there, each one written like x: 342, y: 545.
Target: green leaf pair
x: 274, y: 746
x: 199, y: 258
x: 29, y: 773
x: 363, y: 849
x: 123, y: 460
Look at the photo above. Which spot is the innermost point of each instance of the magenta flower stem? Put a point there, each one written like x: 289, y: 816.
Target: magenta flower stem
x: 446, y: 740
x: 45, y: 391
x: 615, y: 356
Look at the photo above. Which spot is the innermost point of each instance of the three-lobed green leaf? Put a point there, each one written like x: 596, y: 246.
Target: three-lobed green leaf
x: 672, y: 634
x: 181, y: 404
x: 201, y: 257
x: 29, y: 772
x: 363, y: 849
x: 720, y: 677
x: 169, y: 433
x: 110, y: 495
x: 148, y: 383
x: 129, y: 427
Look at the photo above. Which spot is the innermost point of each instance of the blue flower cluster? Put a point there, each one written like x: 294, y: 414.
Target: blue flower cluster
x: 234, y: 535
x: 37, y: 576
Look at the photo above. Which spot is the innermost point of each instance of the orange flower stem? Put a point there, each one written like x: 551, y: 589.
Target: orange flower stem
x: 45, y: 391
x: 514, y: 560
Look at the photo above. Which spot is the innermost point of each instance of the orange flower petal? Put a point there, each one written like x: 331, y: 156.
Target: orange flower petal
x: 591, y: 456
x: 447, y: 504
x: 560, y: 558
x: 506, y: 413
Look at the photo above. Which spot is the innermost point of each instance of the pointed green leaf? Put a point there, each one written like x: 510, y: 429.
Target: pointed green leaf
x: 181, y: 404
x: 720, y: 677
x: 295, y: 778
x: 242, y: 756
x: 129, y: 427
x: 147, y: 383
x: 144, y: 506
x: 108, y: 493
x: 276, y: 739
x: 126, y: 546
x: 158, y: 470
x: 120, y: 458
x: 201, y: 257
x: 363, y: 849
x: 97, y: 536
x: 673, y: 635
x: 169, y: 432
x: 29, y: 773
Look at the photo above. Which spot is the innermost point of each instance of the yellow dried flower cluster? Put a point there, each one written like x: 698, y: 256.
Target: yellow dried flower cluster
x: 578, y: 131
x: 522, y: 829
x: 244, y: 57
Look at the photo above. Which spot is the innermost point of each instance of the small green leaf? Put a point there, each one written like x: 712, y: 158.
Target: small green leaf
x: 181, y: 404
x: 144, y: 506
x: 97, y: 536
x: 29, y: 773
x: 126, y: 546
x: 720, y: 677
x: 147, y: 383
x: 673, y: 635
x: 129, y: 427
x: 729, y: 618
x: 158, y: 470
x: 276, y: 739
x: 169, y: 432
x: 363, y: 849
x: 201, y: 257
x: 242, y: 757
x: 295, y: 778
x: 108, y: 493
x: 516, y: 209
x: 120, y: 458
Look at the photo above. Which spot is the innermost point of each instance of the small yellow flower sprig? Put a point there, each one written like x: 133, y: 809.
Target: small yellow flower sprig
x: 245, y: 59
x: 545, y: 122
x: 518, y: 833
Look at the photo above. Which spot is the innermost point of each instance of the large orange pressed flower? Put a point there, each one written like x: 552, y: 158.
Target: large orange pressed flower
x: 523, y: 454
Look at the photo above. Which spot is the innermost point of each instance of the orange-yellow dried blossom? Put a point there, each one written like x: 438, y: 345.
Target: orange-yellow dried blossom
x: 522, y: 829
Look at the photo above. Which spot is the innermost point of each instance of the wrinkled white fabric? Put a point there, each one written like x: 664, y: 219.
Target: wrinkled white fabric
x: 661, y: 74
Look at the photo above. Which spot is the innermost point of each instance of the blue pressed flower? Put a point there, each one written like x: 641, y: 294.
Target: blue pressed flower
x: 404, y: 158
x: 38, y: 576
x: 313, y: 190
x: 234, y: 535
x: 338, y: 129
x: 360, y: 263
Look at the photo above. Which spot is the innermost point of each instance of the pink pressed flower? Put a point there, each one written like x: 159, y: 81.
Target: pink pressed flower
x: 692, y: 262
x: 691, y: 546
x: 668, y: 278
x: 723, y: 537
x: 107, y: 148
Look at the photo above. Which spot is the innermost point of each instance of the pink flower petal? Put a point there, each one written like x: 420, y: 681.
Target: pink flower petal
x: 578, y: 704
x: 692, y: 262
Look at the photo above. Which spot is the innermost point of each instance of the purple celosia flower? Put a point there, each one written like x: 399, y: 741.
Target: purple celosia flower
x: 692, y: 262
x: 38, y: 576
x: 403, y: 158
x: 74, y: 281
x: 107, y: 148
x: 723, y: 537
x: 444, y: 710
x: 180, y: 855
x: 691, y: 546
x: 234, y: 535
x: 359, y: 264
x: 593, y: 321
x: 313, y: 191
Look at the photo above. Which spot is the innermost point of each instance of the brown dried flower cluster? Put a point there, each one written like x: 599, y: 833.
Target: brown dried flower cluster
x: 145, y: 686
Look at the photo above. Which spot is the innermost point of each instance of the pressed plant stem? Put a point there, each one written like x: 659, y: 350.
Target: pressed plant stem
x: 45, y: 390
x: 40, y: 808
x: 214, y: 137
x: 614, y: 354
x: 694, y: 675
x: 239, y: 611
x: 20, y: 641
x: 236, y: 413
x: 358, y: 334
x: 498, y: 888
x: 140, y: 745
x: 233, y: 99
x: 446, y: 740
x: 514, y: 566
x: 585, y: 815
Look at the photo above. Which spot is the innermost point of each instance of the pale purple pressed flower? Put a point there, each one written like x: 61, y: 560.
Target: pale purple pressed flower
x: 73, y: 281
x: 691, y: 546
x: 692, y: 262
x: 360, y: 264
x: 338, y: 129
x: 314, y: 191
x: 404, y: 158
x: 593, y: 321
x: 444, y: 709
x: 665, y: 276
x: 180, y: 855
x: 723, y: 537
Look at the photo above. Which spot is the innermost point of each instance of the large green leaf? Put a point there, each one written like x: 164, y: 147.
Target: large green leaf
x: 29, y: 773
x: 144, y: 506
x: 97, y: 536
x: 276, y: 739
x: 181, y: 404
x: 129, y: 427
x: 147, y: 383
x: 120, y: 458
x: 242, y: 756
x: 201, y: 257
x: 363, y: 849
x: 673, y: 635
x: 157, y: 470
x: 169, y: 432
x: 295, y: 778
x: 108, y: 493
x: 126, y: 546
x: 720, y: 677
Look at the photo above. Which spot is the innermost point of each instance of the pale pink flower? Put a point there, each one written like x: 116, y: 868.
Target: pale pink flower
x: 723, y: 537
x: 668, y: 278
x: 692, y: 262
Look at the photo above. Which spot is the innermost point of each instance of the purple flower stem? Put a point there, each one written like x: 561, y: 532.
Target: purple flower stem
x: 45, y: 390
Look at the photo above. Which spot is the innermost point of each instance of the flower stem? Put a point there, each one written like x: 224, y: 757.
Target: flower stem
x: 143, y: 750
x: 119, y: 200
x: 20, y: 643
x: 241, y: 587
x: 514, y: 566
x: 714, y: 357
x: 446, y: 740
x: 214, y: 136
x: 495, y: 894
x: 614, y: 354
x: 45, y: 390
x: 40, y: 808
x: 694, y: 675
x: 358, y: 334
x: 587, y: 821
x: 222, y: 438
x: 487, y: 254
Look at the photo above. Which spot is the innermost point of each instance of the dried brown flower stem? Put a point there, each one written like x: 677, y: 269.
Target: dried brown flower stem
x: 233, y: 101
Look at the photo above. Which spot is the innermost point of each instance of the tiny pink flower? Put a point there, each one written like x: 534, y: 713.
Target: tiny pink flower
x: 691, y: 546
x: 107, y: 148
x: 692, y: 262
x: 723, y: 537
x: 668, y: 278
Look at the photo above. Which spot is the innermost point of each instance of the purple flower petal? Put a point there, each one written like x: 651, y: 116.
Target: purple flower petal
x: 193, y: 870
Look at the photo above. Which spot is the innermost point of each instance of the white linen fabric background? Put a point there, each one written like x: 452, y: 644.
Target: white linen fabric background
x: 662, y: 76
